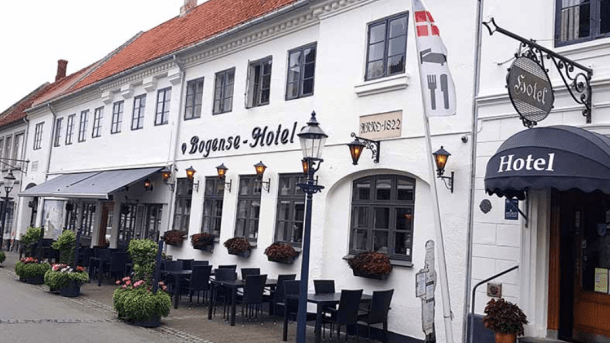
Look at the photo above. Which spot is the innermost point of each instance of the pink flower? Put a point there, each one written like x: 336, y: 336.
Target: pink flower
x: 118, y: 282
x: 124, y: 287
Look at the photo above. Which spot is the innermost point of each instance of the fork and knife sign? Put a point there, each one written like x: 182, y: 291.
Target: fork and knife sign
x: 432, y: 57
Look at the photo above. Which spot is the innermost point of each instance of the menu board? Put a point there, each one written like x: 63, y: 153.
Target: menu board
x: 601, y: 280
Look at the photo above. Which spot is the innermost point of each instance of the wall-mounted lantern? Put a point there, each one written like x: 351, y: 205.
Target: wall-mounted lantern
x: 260, y: 168
x: 190, y: 174
x: 222, y: 172
x: 440, y: 157
x: 356, y: 147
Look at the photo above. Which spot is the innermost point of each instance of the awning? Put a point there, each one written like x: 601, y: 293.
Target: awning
x: 559, y: 157
x: 92, y: 185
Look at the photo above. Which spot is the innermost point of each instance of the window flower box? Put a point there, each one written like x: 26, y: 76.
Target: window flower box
x: 174, y: 237
x: 238, y: 246
x: 281, y: 253
x: 370, y: 264
x: 203, y: 241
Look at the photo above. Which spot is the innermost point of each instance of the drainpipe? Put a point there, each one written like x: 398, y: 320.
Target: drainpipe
x: 46, y: 172
x: 174, y: 148
x: 25, y: 147
x: 474, y: 130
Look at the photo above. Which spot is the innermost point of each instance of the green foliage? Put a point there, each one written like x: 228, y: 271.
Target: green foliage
x: 143, y: 253
x: 65, y: 244
x: 503, y: 316
x: 137, y: 301
x: 58, y: 279
x: 2, y: 256
x: 30, y: 270
x: 30, y: 238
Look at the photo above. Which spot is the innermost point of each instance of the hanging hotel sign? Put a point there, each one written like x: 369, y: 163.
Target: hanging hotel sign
x: 530, y: 90
x: 260, y: 137
x: 382, y: 125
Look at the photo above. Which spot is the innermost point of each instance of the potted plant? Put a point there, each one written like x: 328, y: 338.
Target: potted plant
x: 238, y: 246
x: 135, y: 300
x: 203, y: 241
x: 65, y: 245
x: 174, y: 237
x: 505, y: 319
x: 2, y: 257
x: 31, y: 270
x: 281, y: 253
x: 65, y: 279
x: 30, y: 239
x: 370, y: 264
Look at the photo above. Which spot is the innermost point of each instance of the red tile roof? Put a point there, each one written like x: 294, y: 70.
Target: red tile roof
x: 61, y: 86
x: 205, y: 21
x: 17, y: 111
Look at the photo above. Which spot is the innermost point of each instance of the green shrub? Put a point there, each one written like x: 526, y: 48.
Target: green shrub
x: 60, y: 275
x: 29, y: 267
x: 31, y: 238
x: 143, y: 253
x: 136, y: 301
x: 65, y: 244
x: 2, y: 256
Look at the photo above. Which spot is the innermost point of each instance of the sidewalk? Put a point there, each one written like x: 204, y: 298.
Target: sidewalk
x: 190, y: 321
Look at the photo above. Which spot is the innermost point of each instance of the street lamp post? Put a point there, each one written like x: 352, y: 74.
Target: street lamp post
x: 312, y: 140
x: 9, y: 182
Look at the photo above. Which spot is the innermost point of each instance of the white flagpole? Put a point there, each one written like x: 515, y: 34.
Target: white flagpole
x: 442, y: 264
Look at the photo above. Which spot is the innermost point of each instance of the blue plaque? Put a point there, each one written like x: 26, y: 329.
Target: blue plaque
x: 510, y: 209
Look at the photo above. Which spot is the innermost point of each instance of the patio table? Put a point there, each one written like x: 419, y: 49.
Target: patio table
x: 177, y: 275
x: 321, y: 300
x: 233, y: 286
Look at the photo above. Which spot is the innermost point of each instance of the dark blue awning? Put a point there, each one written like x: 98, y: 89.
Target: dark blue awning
x: 559, y: 157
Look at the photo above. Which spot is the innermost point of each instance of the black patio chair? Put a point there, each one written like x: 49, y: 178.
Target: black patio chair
x: 173, y: 266
x: 228, y: 266
x: 292, y: 289
x: 249, y: 271
x: 118, y: 260
x: 199, y: 281
x: 225, y: 274
x: 378, y: 312
x: 252, y: 300
x: 186, y: 263
x: 347, y: 313
x: 277, y: 297
x: 200, y: 263
x: 325, y: 287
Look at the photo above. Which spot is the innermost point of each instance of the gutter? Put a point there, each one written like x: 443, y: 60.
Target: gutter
x: 474, y: 140
x: 46, y: 172
x: 186, y: 50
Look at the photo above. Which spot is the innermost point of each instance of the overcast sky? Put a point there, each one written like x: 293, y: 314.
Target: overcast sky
x: 34, y: 34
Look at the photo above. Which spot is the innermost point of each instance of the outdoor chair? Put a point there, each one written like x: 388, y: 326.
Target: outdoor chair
x: 277, y: 297
x: 102, y: 260
x: 292, y: 290
x: 252, y: 300
x: 199, y: 281
x: 171, y: 265
x: 378, y: 312
x: 200, y: 263
x: 223, y: 292
x: 229, y: 266
x: 186, y: 264
x: 325, y: 287
x: 249, y: 271
x: 118, y: 260
x: 347, y: 313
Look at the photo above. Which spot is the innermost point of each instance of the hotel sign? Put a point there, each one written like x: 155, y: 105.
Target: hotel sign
x: 382, y: 125
x: 530, y: 90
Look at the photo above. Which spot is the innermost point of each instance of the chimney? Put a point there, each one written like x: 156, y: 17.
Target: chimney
x: 188, y: 6
x: 62, y: 65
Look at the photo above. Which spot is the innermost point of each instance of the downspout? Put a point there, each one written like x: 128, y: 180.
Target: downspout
x: 174, y: 148
x: 46, y: 172
x: 474, y: 140
x: 25, y: 147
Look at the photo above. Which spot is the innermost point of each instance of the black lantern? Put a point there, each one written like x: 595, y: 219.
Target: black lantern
x: 312, y: 139
x: 440, y: 157
x: 305, y: 166
x: 355, y: 149
x: 148, y: 185
x: 166, y: 173
x: 260, y: 168
x: 190, y: 174
x: 222, y: 172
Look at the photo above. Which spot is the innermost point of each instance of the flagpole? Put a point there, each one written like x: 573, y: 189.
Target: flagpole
x: 442, y: 264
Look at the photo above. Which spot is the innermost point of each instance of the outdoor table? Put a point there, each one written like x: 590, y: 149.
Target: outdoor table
x: 177, y: 275
x: 321, y: 300
x: 234, y: 286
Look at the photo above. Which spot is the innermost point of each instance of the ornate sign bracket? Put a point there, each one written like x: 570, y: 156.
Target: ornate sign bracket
x: 578, y: 82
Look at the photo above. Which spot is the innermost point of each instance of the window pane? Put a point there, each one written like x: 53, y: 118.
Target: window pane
x: 252, y: 229
x: 397, y: 46
x: 240, y: 228
x: 359, y: 240
x: 228, y: 105
x: 310, y: 55
x: 376, y: 51
x: 360, y: 217
x: 402, y: 243
x: 285, y: 185
x: 282, y: 233
x: 384, y: 189
x: 308, y: 87
x: 244, y: 186
x: 374, y: 70
x: 207, y: 208
x: 220, y: 187
x: 297, y: 190
x: 206, y: 226
x: 382, y: 218
x: 265, y: 96
x: 292, y: 91
x: 284, y: 210
x: 380, y: 242
x: 228, y: 91
x: 396, y: 65
x: 377, y: 33
x: 242, y: 209
x: 363, y: 191
x: 404, y: 219
x: 398, y: 27
x: 604, y: 16
x: 217, y: 208
x: 230, y: 77
x: 255, y: 209
x: 405, y: 190
x: 309, y: 70
x: 267, y: 68
x: 209, y: 186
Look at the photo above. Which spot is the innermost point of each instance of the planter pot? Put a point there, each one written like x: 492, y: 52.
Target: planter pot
x: 36, y: 280
x: 175, y: 244
x: 209, y: 247
x: 506, y: 337
x: 71, y: 291
x: 245, y: 254
x: 287, y: 261
x: 151, y: 322
x: 371, y: 276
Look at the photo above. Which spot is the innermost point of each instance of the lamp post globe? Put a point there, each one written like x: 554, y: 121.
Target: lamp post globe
x: 312, y: 139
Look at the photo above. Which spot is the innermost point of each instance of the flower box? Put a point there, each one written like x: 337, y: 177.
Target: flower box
x: 203, y: 241
x: 371, y: 276
x: 152, y: 322
x: 281, y: 253
x: 35, y: 280
x: 244, y: 254
x: 371, y: 264
x: 174, y: 237
x: 208, y: 248
x: 238, y: 246
x: 282, y: 261
x: 70, y: 291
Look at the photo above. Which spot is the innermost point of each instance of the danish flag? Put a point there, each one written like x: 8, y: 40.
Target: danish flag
x: 423, y: 19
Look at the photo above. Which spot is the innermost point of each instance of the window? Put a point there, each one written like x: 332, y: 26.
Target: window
x: 212, y: 205
x: 301, y: 68
x: 194, y: 94
x: 57, y: 131
x: 70, y: 129
x: 386, y: 48
x: 223, y: 91
x: 17, y: 153
x: 139, y: 104
x: 87, y: 219
x: 259, y: 82
x: 127, y: 223
x: 1, y: 146
x: 248, y: 207
x: 82, y: 127
x: 182, y: 213
x: 117, y: 117
x: 163, y: 99
x: 97, y: 122
x: 382, y: 215
x: 37, y: 137
x: 290, y: 209
x: 7, y: 148
x: 581, y: 20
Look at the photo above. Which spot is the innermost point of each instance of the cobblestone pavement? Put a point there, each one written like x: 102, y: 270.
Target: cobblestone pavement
x: 92, y: 314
